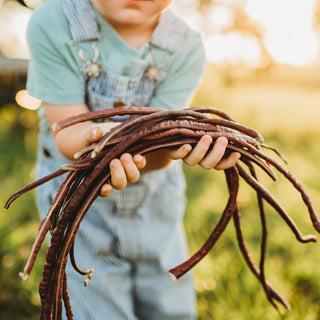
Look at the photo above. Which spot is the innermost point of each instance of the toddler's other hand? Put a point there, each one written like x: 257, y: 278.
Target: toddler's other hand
x: 200, y: 155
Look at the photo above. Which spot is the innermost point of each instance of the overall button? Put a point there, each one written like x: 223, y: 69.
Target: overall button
x: 119, y: 103
x: 153, y: 73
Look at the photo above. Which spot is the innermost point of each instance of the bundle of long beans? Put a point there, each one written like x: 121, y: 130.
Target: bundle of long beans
x: 149, y: 129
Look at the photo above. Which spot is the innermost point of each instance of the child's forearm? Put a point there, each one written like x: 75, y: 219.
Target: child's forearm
x: 73, y: 139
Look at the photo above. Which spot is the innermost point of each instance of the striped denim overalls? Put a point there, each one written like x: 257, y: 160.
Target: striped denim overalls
x: 134, y: 236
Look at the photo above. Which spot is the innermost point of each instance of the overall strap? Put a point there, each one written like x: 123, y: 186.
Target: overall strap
x: 169, y: 33
x: 81, y: 19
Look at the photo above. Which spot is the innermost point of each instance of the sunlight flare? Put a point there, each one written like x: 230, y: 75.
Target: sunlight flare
x: 287, y: 24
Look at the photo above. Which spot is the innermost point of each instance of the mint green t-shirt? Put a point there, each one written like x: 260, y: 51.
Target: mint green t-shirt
x: 54, y: 74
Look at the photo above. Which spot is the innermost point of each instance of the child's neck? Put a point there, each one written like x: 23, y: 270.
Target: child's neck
x: 136, y: 35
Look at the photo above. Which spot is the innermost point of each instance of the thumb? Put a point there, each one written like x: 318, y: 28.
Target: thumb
x: 92, y: 134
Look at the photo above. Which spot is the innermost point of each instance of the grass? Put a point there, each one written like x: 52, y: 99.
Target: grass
x: 18, y: 226
x: 283, y: 104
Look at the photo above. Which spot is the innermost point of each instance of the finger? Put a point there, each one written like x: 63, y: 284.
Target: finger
x: 199, y: 151
x: 118, y: 175
x: 215, y: 155
x: 180, y: 153
x: 130, y: 168
x: 106, y: 190
x: 228, y: 162
x: 92, y: 134
x: 140, y: 161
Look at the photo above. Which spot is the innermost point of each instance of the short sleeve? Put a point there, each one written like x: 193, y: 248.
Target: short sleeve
x: 53, y: 72
x: 184, y: 75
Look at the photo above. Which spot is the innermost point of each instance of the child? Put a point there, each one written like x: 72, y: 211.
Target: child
x: 100, y: 54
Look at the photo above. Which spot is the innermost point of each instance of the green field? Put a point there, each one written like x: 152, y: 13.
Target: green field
x: 284, y: 105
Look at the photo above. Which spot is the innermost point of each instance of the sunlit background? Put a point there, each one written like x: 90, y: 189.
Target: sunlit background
x: 264, y: 70
x: 287, y: 29
x: 253, y: 33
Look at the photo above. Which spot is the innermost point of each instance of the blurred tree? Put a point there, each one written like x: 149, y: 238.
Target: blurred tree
x: 243, y: 24
x: 240, y: 23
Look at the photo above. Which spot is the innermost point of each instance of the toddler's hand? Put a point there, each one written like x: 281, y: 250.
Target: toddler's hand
x: 212, y: 159
x: 123, y: 170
